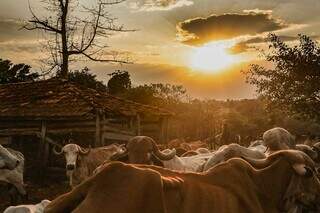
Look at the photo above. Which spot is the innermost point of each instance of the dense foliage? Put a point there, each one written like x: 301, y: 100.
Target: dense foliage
x: 292, y: 83
x: 13, y: 73
x: 200, y: 119
x: 85, y: 78
x: 119, y: 82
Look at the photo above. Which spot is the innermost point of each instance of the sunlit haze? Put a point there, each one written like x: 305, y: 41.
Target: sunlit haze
x: 213, y: 57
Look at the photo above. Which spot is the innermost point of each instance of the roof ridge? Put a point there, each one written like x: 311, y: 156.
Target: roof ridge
x: 88, y: 98
x: 136, y: 103
x: 75, y: 89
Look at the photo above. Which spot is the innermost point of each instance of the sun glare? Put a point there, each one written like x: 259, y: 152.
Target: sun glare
x: 213, y: 57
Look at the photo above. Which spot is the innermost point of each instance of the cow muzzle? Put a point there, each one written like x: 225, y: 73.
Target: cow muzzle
x: 70, y: 167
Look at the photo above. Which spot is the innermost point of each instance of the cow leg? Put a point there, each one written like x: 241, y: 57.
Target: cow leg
x: 14, y: 195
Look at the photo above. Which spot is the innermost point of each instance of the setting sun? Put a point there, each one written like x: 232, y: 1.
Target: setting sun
x: 213, y: 57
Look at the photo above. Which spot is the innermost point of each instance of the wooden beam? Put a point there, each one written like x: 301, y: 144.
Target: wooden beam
x: 116, y: 130
x: 115, y: 136
x: 49, y: 140
x: 36, y: 131
x: 24, y: 131
x: 103, y: 122
x: 138, y: 125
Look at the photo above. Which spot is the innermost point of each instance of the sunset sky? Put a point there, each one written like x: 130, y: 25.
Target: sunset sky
x: 200, y: 44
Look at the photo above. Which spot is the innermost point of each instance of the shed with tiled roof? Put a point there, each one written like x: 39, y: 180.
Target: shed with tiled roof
x: 59, y: 106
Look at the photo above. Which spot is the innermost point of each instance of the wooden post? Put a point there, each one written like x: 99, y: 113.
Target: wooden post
x: 163, y: 124
x: 131, y: 123
x: 98, y: 130
x: 138, y: 125
x: 103, y: 123
x: 42, y: 136
x: 43, y: 148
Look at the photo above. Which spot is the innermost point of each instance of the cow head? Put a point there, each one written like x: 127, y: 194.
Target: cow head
x: 7, y: 160
x: 278, y: 139
x: 72, y: 153
x: 141, y: 150
x: 311, y: 151
x: 303, y: 189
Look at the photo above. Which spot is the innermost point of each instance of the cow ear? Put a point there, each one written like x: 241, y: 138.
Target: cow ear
x: 303, y: 170
x: 300, y: 169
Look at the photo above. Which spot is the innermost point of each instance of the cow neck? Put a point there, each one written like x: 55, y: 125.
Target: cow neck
x: 274, y: 180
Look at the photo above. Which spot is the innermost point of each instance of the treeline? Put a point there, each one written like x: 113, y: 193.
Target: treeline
x: 194, y: 119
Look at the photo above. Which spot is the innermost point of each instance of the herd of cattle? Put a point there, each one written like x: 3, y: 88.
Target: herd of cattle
x: 271, y: 175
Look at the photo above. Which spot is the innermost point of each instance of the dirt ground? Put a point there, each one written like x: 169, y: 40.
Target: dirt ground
x: 48, y: 189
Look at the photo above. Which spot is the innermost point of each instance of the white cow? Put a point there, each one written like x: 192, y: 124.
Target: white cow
x: 37, y: 208
x: 7, y: 159
x: 15, y: 176
x: 258, y: 145
x: 80, y: 162
x: 187, y: 164
x: 273, y: 140
x: 227, y: 152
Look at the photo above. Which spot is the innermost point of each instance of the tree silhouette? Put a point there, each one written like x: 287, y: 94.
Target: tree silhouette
x: 119, y: 82
x: 87, y: 79
x: 292, y: 84
x: 77, y: 31
x: 13, y: 73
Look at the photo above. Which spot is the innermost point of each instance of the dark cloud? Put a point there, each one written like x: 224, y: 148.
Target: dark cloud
x: 199, y: 31
x: 19, y: 47
x: 11, y: 29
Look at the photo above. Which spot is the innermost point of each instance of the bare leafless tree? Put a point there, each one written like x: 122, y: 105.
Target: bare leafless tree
x: 77, y: 31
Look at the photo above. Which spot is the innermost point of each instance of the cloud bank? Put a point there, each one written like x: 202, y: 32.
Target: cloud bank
x: 156, y: 5
x: 199, y: 31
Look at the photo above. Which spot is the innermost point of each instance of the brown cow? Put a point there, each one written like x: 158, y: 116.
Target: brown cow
x: 80, y: 162
x: 144, y: 150
x: 276, y: 184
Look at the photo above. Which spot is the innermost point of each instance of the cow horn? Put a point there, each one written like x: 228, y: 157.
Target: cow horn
x: 160, y: 154
x: 83, y: 151
x: 316, y: 147
x: 119, y: 155
x: 57, y: 152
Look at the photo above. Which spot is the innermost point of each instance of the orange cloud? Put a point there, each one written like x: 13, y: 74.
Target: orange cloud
x: 199, y: 31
